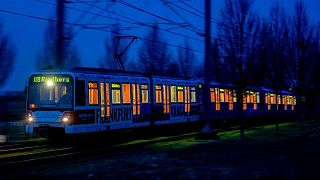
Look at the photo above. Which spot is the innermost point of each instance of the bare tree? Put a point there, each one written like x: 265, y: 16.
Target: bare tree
x: 109, y: 60
x: 239, y: 36
x: 186, y: 58
x: 278, y: 51
x: 7, y: 57
x: 47, y: 58
x: 154, y: 53
x: 303, y: 64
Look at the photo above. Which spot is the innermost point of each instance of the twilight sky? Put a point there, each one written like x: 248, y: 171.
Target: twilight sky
x: 27, y: 34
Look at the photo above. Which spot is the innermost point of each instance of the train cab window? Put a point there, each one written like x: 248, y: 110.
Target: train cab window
x: 80, y: 93
x: 115, y: 93
x: 173, y: 94
x: 212, y: 95
x: 158, y: 93
x: 126, y: 94
x: 193, y: 94
x: 144, y: 93
x: 93, y: 93
x: 180, y: 94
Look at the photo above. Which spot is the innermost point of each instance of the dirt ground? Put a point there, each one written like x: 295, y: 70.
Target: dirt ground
x: 291, y: 153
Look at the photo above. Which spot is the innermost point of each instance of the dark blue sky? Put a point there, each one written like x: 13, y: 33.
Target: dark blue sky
x: 27, y: 34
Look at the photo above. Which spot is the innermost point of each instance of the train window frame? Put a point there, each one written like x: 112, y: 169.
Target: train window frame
x: 221, y: 95
x: 158, y: 93
x: 180, y: 96
x: 116, y: 90
x: 124, y: 97
x: 91, y: 91
x: 212, y: 95
x: 144, y: 93
x: 193, y: 94
x: 173, y: 94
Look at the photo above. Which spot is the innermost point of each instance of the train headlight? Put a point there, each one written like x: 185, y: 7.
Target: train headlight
x: 29, y: 117
x: 50, y: 83
x: 66, y: 117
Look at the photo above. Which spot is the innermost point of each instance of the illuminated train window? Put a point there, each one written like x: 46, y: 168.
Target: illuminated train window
x: 136, y: 98
x: 107, y: 100
x: 144, y: 93
x: 173, y: 94
x: 93, y: 93
x: 230, y: 99
x: 212, y: 95
x: 126, y: 94
x: 180, y: 94
x: 102, y: 100
x: 193, y: 94
x: 222, y: 95
x: 158, y: 94
x: 115, y: 93
x: 216, y: 90
x: 234, y: 96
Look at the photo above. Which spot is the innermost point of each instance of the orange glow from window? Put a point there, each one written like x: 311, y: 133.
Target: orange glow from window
x: 158, y: 94
x: 180, y: 96
x: 93, y: 93
x: 126, y: 94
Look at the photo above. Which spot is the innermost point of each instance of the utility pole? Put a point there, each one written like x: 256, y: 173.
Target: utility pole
x: 60, y: 33
x: 207, y: 131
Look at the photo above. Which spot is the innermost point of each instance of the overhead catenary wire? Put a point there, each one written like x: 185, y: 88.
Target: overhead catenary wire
x: 144, y: 24
x: 88, y: 27
x: 130, y: 20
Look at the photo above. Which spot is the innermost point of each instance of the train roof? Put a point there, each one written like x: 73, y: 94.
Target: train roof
x: 104, y: 71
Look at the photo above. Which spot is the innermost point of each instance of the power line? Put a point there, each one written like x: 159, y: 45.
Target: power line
x: 215, y: 21
x: 144, y: 24
x: 133, y: 21
x: 152, y: 14
x: 87, y: 27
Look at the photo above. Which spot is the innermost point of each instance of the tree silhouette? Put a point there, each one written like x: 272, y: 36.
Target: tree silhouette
x: 109, y: 60
x: 7, y: 57
x: 186, y: 58
x: 302, y: 66
x: 154, y: 54
x: 240, y: 47
x: 47, y: 58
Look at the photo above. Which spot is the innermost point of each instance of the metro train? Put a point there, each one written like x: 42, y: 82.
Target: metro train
x: 84, y: 100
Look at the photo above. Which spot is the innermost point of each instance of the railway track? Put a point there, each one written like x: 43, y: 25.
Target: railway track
x: 24, y: 158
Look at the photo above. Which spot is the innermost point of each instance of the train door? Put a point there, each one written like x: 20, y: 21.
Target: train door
x: 166, y: 102
x: 104, y: 102
x: 136, y: 102
x: 187, y: 100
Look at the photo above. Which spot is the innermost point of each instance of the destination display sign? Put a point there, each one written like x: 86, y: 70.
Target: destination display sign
x: 115, y: 85
x: 55, y: 79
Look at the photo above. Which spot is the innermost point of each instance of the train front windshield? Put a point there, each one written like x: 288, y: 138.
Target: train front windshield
x: 50, y: 92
